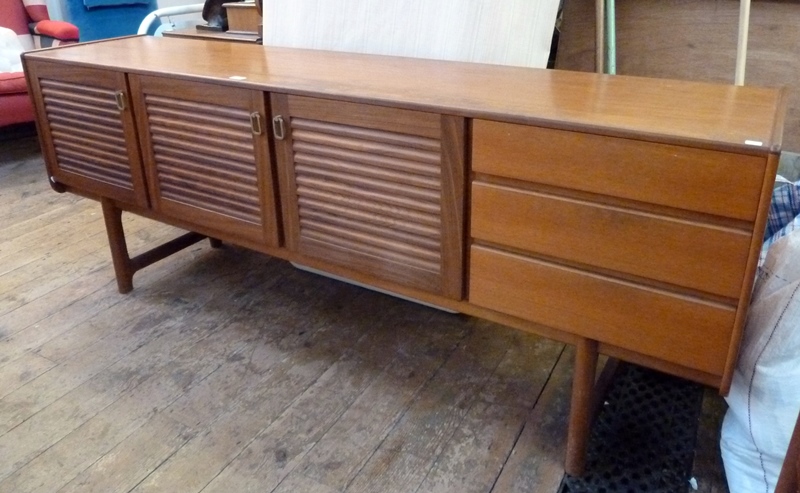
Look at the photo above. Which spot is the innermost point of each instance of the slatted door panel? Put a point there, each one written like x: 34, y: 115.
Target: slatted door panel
x: 350, y: 196
x: 88, y: 131
x: 206, y: 155
x: 367, y: 187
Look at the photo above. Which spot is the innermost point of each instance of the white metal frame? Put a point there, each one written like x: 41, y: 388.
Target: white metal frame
x: 148, y: 21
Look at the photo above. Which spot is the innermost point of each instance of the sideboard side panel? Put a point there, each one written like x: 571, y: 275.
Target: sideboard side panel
x: 771, y: 168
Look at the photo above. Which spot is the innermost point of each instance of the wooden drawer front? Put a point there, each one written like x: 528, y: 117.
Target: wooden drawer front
x: 204, y: 160
x: 89, y: 131
x: 712, y: 182
x: 369, y: 193
x: 684, y: 253
x: 674, y: 328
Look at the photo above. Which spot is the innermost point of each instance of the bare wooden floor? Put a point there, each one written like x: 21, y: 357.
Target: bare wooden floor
x: 228, y: 371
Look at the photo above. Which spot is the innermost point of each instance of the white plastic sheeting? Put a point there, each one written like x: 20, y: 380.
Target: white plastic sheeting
x: 10, y: 50
x: 765, y: 393
x: 504, y: 32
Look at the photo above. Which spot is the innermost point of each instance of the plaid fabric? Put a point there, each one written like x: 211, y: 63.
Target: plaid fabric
x: 784, y: 207
x: 784, y: 213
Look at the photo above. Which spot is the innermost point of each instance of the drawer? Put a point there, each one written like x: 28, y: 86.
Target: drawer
x: 684, y: 253
x: 670, y: 327
x: 713, y: 182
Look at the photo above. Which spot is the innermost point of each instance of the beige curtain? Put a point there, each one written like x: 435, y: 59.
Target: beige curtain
x: 506, y: 32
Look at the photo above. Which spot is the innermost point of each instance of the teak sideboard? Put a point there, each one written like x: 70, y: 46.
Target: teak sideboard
x: 623, y: 215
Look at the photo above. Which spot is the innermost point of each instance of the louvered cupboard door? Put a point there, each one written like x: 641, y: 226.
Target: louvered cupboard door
x: 87, y: 131
x: 206, y: 156
x: 373, y: 189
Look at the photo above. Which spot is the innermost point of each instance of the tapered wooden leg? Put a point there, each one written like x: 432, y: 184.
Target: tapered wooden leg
x: 580, y: 414
x: 125, y: 266
x: 123, y: 269
x: 215, y: 243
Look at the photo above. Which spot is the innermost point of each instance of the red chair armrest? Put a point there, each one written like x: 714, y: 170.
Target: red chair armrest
x: 63, y: 31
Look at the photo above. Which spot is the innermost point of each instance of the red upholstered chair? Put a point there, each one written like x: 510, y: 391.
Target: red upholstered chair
x: 34, y: 29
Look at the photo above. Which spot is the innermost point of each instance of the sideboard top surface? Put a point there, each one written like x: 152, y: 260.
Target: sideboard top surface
x: 746, y: 119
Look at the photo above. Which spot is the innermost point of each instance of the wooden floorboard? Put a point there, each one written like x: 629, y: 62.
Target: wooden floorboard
x: 228, y: 371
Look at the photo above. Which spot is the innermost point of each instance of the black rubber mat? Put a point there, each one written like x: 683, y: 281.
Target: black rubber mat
x: 644, y: 436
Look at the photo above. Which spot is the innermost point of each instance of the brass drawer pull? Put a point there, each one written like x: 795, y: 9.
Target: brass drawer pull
x: 119, y: 97
x: 255, y: 123
x: 277, y: 128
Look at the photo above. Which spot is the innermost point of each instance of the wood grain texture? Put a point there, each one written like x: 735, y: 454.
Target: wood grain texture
x: 203, y: 160
x: 216, y: 343
x: 453, y: 203
x: 133, y: 388
x: 337, y: 458
x: 292, y: 436
x: 427, y: 427
x: 60, y: 312
x: 193, y: 33
x: 684, y: 253
x: 35, y: 281
x: 127, y: 463
x: 123, y: 270
x: 719, y: 183
x: 22, y: 370
x: 390, y: 120
x: 102, y: 156
x: 678, y: 327
x: 188, y: 363
x: 603, y: 309
x: 537, y: 461
x: 126, y: 266
x: 694, y: 40
x: 750, y: 271
x: 580, y: 409
x: 486, y: 432
x: 662, y: 365
x: 367, y: 187
x: 688, y: 112
x: 297, y: 482
x: 15, y: 256
x: 243, y: 17
x: 473, y: 457
x: 284, y: 376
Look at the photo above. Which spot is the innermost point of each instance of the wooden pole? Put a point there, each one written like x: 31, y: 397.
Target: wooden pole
x: 600, y: 40
x: 741, y: 49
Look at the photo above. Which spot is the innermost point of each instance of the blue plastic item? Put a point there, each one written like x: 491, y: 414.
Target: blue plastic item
x: 110, y: 21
